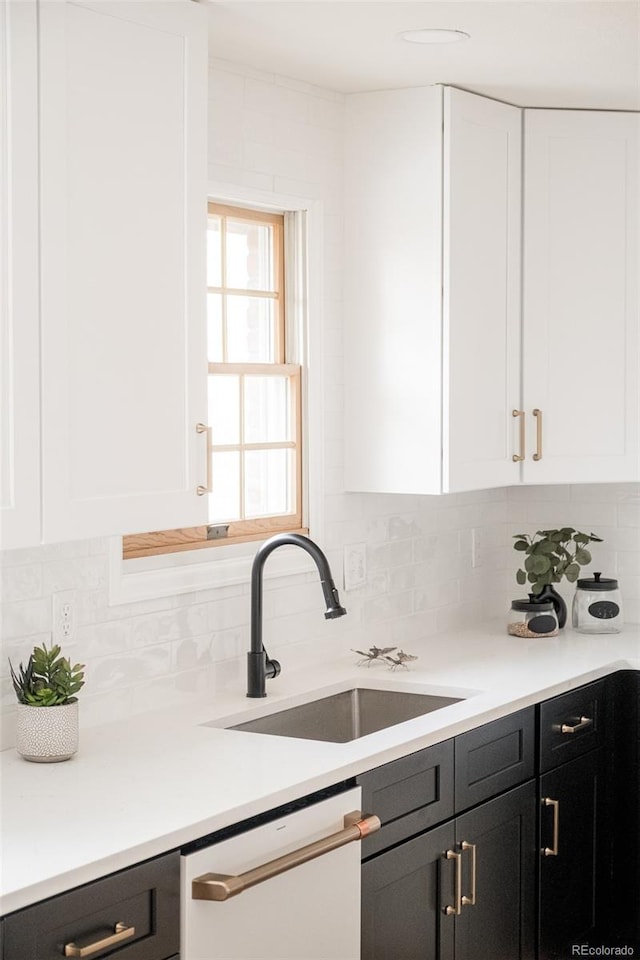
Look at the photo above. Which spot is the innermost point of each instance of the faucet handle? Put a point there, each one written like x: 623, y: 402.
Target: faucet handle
x: 272, y: 668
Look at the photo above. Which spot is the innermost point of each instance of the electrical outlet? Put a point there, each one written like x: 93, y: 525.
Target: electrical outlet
x: 64, y: 616
x: 355, y: 565
x: 477, y: 548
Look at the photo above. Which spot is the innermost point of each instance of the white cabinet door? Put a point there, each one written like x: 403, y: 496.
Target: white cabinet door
x: 123, y: 218
x: 393, y: 282
x: 481, y: 311
x: 19, y: 334
x: 581, y: 363
x: 432, y: 308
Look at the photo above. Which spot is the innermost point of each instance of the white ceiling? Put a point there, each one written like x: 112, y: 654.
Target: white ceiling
x: 554, y: 53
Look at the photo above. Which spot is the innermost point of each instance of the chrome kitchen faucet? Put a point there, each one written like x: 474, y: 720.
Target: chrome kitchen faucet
x: 259, y: 666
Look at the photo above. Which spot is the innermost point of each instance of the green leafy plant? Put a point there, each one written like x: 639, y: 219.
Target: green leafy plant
x: 552, y: 555
x: 48, y: 680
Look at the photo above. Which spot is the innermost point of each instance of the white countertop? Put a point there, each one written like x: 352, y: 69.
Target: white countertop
x: 140, y: 787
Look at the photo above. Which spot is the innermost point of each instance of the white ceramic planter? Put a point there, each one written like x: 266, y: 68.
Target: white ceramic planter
x: 47, y: 734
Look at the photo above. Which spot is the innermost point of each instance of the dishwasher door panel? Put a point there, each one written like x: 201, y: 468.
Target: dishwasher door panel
x: 311, y: 912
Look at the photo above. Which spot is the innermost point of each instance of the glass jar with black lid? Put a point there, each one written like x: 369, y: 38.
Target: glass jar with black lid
x: 597, y: 605
x: 532, y: 618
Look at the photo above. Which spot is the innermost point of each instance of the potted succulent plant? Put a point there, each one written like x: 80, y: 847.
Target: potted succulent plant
x: 47, y: 719
x: 551, y: 555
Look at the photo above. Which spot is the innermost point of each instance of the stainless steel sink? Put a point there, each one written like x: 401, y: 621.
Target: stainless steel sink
x: 348, y: 715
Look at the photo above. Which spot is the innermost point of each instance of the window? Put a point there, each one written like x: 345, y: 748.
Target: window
x: 254, y: 391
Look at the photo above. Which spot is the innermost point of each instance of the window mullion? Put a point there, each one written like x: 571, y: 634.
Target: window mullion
x: 255, y: 369
x: 242, y: 448
x: 223, y: 298
x: 278, y: 266
x: 249, y: 294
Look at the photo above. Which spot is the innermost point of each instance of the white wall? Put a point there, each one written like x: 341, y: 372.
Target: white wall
x: 269, y: 133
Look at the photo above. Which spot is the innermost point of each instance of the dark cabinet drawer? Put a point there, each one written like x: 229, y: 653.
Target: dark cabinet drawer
x: 494, y: 757
x: 409, y: 795
x: 573, y: 724
x: 141, y: 905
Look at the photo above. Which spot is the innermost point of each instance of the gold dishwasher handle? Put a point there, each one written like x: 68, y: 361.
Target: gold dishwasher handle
x: 121, y: 933
x: 581, y: 725
x: 221, y: 886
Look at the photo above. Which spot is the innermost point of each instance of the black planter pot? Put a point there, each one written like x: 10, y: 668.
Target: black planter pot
x: 560, y: 607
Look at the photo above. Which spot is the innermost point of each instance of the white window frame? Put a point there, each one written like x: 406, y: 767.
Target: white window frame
x: 147, y: 578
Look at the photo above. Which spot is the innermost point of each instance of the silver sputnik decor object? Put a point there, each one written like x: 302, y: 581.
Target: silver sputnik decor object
x: 381, y: 655
x: 401, y: 660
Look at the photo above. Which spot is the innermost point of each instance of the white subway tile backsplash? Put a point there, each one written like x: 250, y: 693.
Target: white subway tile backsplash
x: 388, y: 606
x: 629, y: 516
x: 232, y: 177
x: 21, y: 583
x: 83, y: 572
x: 127, y: 669
x: 22, y: 618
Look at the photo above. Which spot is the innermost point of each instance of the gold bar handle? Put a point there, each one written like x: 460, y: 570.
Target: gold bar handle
x: 470, y: 901
x: 121, y: 933
x: 538, y: 415
x: 582, y: 724
x: 552, y: 851
x: 456, y: 909
x: 221, y: 886
x: 200, y: 489
x: 517, y: 457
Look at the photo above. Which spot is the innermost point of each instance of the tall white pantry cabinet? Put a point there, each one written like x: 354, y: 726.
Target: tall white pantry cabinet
x: 491, y: 305
x: 103, y: 330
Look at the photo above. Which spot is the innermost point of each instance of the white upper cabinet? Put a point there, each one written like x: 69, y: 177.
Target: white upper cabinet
x: 123, y: 224
x: 481, y: 290
x: 432, y: 289
x: 19, y: 334
x: 581, y: 361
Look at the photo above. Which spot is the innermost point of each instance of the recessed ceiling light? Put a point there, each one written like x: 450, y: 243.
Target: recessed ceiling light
x: 434, y: 36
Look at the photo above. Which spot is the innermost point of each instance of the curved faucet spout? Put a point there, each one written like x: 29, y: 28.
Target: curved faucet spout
x: 260, y: 667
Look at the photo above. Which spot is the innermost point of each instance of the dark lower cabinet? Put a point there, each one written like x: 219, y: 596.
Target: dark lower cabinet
x: 404, y: 894
x: 130, y: 915
x: 498, y: 838
x: 574, y: 859
x: 461, y: 891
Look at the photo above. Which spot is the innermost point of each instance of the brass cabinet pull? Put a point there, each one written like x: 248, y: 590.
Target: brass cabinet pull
x: 538, y: 415
x: 221, y: 886
x: 200, y: 489
x: 517, y: 457
x: 552, y: 851
x: 456, y: 909
x: 581, y: 725
x: 470, y: 901
x: 121, y: 933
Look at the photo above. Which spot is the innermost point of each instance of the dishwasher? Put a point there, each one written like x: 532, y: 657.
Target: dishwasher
x: 287, y: 889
